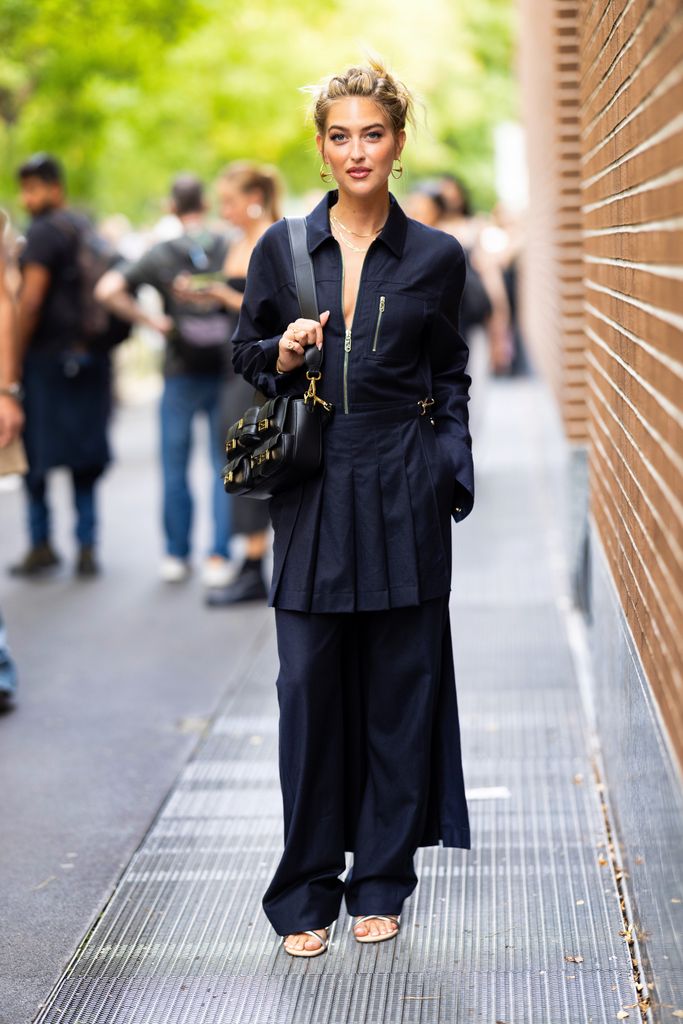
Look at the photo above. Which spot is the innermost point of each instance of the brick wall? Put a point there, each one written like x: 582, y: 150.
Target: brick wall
x: 551, y: 289
x: 602, y: 288
x: 632, y: 197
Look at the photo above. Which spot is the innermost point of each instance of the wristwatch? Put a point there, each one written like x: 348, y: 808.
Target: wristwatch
x: 14, y: 391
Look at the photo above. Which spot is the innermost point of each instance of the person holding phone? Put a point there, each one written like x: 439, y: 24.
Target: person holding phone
x: 196, y: 367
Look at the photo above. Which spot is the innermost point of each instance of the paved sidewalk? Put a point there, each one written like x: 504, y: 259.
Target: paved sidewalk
x: 522, y: 929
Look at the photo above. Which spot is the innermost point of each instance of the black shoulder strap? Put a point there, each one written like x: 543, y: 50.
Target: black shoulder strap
x: 305, y: 282
x: 303, y: 268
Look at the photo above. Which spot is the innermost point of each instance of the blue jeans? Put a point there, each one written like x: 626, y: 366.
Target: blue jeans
x: 84, y: 503
x: 183, y: 397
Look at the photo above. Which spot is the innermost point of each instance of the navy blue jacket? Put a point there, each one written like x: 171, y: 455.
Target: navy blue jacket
x: 404, y: 343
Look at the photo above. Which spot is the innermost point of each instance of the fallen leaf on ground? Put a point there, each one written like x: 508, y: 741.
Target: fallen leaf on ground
x: 41, y: 885
x: 577, y: 959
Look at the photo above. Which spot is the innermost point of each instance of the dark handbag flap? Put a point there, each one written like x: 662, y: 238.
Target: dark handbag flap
x: 243, y: 433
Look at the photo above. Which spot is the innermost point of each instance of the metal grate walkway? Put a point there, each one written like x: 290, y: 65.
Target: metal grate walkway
x: 522, y: 929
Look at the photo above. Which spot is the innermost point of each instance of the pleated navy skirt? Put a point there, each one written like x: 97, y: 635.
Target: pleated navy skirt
x: 373, y: 529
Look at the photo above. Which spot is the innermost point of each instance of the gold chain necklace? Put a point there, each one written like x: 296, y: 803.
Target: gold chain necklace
x: 356, y: 233
x: 350, y: 245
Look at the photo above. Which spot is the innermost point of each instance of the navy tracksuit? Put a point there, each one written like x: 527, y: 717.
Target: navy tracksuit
x: 369, y: 733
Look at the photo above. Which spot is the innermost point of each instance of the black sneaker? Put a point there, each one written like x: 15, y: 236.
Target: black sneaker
x: 248, y: 586
x: 87, y: 566
x: 38, y: 560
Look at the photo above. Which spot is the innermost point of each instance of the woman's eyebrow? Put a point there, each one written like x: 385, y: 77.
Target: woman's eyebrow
x: 365, y: 128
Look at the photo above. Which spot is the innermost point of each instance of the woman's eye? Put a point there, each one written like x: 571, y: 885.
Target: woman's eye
x: 337, y: 136
x: 374, y: 135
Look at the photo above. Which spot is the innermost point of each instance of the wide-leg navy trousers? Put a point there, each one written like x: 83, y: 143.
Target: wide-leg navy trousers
x: 357, y: 695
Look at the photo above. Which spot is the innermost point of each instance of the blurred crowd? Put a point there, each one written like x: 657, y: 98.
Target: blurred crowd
x: 71, y: 293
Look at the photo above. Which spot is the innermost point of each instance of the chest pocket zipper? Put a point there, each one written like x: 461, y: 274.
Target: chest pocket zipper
x: 382, y: 305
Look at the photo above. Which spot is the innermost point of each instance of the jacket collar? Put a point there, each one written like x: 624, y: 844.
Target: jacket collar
x: 393, y: 233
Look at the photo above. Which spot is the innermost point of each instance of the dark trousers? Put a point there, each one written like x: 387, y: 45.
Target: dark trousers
x: 84, y: 503
x: 357, y: 696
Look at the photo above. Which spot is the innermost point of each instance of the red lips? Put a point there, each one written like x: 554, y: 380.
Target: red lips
x: 359, y: 172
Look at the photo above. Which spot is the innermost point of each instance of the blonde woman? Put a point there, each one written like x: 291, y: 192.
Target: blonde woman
x: 369, y: 743
x: 249, y: 197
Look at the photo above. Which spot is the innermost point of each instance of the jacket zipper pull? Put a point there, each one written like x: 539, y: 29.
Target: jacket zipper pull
x: 382, y: 304
x: 347, y: 349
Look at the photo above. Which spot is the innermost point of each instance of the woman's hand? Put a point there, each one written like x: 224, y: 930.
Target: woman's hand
x: 293, y: 342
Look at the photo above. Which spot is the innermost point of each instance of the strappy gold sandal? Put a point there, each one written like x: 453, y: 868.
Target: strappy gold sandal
x: 377, y: 938
x: 309, y: 952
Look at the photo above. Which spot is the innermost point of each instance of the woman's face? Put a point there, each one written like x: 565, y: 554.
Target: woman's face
x: 234, y: 202
x: 359, y: 145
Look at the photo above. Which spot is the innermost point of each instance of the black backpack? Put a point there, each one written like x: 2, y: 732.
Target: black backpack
x: 200, y: 327
x: 100, y: 330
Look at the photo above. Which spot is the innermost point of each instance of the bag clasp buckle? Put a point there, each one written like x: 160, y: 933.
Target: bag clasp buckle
x: 312, y: 397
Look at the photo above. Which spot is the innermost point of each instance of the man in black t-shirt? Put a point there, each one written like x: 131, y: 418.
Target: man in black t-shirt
x: 196, y: 364
x: 67, y: 388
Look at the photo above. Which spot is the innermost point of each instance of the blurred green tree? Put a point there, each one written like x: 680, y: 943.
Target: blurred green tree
x: 128, y: 94
x: 62, y: 66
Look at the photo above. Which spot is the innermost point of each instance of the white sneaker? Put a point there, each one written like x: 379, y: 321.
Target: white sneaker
x: 174, y: 570
x: 218, y: 572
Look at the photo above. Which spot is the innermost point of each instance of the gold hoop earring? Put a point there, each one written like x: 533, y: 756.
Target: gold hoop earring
x: 399, y: 169
x: 327, y: 176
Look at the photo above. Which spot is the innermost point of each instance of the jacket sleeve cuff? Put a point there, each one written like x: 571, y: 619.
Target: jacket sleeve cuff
x: 270, y: 381
x: 459, y: 456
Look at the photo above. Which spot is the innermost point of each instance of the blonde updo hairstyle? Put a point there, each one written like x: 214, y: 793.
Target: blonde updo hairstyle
x: 373, y: 81
x: 251, y: 177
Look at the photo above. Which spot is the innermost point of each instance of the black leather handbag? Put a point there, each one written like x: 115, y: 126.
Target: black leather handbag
x: 278, y: 444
